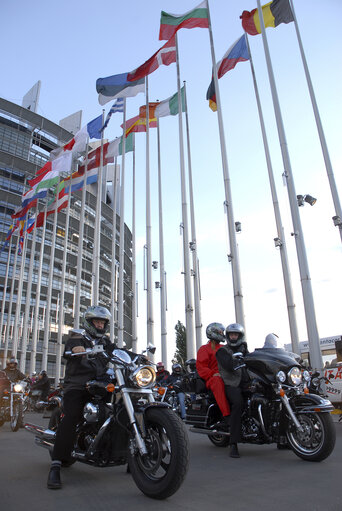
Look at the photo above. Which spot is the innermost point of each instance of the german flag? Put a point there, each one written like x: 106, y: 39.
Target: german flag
x: 274, y: 13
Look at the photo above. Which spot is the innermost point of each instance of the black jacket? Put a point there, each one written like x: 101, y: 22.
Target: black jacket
x: 14, y: 374
x: 81, y: 369
x: 42, y: 384
x: 226, y: 364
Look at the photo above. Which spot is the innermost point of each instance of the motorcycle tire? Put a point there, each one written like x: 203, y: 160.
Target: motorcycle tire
x: 317, y: 440
x: 219, y: 440
x: 18, y: 416
x: 161, y: 472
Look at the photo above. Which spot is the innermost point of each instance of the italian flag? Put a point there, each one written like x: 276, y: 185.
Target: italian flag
x: 170, y: 23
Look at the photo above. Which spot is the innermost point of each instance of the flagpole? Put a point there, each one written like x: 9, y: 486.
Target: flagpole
x: 80, y: 245
x: 337, y: 219
x: 35, y: 334
x: 163, y: 327
x: 150, y: 319
x: 233, y: 257
x: 28, y: 299
x: 9, y: 313
x: 97, y: 230
x: 61, y: 294
x: 189, y: 309
x: 122, y: 238
x: 193, y: 244
x: 19, y: 293
x: 291, y: 308
x: 50, y: 285
x: 2, y: 338
x: 313, y: 336
x: 134, y: 263
x: 113, y: 265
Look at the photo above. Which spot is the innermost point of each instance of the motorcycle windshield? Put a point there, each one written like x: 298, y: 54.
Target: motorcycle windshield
x: 268, y: 361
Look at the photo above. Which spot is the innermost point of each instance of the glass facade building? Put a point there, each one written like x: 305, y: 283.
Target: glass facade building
x: 26, y: 140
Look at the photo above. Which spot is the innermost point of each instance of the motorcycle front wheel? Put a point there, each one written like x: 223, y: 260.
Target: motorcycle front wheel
x: 317, y: 439
x: 17, y: 416
x: 160, y: 473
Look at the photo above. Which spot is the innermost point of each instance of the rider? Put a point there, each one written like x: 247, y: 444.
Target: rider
x: 174, y: 379
x: 12, y: 371
x: 162, y: 373
x: 233, y: 379
x: 79, y: 370
x: 42, y: 384
x: 207, y: 367
x: 271, y: 341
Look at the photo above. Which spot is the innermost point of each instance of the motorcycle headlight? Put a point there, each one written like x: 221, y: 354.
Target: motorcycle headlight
x: 281, y: 376
x: 144, y: 377
x: 295, y: 376
x: 306, y: 376
x: 18, y: 387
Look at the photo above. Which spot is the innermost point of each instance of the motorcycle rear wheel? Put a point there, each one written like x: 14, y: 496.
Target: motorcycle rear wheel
x: 317, y: 440
x: 219, y: 440
x: 17, y: 417
x: 160, y: 474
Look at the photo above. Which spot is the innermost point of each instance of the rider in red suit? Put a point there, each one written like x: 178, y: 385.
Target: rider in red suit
x: 207, y: 368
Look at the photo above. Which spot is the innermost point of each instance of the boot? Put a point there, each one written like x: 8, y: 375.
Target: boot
x: 234, y: 452
x: 54, y: 479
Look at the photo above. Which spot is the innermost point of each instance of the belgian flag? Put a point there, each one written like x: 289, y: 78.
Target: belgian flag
x: 274, y: 13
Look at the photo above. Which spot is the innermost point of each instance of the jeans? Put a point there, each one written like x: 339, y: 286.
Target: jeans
x: 181, y: 400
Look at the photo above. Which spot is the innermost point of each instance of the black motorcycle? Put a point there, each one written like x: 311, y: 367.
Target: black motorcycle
x: 278, y: 408
x: 122, y: 423
x: 11, y: 405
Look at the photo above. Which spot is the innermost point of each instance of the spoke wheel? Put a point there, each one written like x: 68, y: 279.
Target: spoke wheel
x: 17, y: 417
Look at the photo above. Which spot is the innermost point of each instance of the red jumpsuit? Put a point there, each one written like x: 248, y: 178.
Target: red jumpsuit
x: 206, y: 365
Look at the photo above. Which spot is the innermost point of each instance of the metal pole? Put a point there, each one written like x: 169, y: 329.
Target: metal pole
x: 315, y: 352
x: 113, y: 265
x: 9, y: 313
x: 5, y: 291
x: 134, y: 263
x: 122, y: 238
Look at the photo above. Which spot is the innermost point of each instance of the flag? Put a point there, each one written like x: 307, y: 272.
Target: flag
x: 79, y: 142
x: 115, y: 147
x: 94, y: 127
x: 138, y: 124
x: 5, y: 244
x: 39, y: 190
x: 166, y: 55
x: 170, y: 23
x: 118, y: 86
x: 11, y: 230
x: 61, y: 203
x: 60, y: 164
x: 20, y: 211
x: 238, y: 52
x: 78, y: 180
x: 170, y: 105
x: 274, y: 13
x: 118, y: 106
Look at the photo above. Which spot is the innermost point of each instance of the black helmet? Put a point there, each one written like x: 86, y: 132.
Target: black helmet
x: 215, y: 332
x: 191, y: 364
x: 176, y: 368
x: 238, y: 329
x: 96, y: 312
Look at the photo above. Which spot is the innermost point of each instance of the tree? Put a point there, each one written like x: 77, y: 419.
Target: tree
x: 180, y: 355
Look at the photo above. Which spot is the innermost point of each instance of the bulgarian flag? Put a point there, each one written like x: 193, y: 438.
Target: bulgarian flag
x: 171, y: 23
x: 274, y: 13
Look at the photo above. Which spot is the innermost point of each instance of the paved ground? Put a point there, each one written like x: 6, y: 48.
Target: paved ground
x: 262, y: 479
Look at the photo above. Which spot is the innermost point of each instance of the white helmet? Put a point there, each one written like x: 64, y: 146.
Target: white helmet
x: 271, y: 341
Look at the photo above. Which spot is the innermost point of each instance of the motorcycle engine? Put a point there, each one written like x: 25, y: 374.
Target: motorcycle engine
x: 91, y: 412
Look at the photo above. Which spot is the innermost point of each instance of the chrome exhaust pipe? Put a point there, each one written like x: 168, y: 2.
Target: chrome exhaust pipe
x: 210, y: 432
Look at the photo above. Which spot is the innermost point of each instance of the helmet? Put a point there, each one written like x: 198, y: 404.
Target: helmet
x: 43, y: 373
x: 191, y: 364
x: 215, y: 332
x: 238, y: 329
x: 12, y: 360
x: 96, y: 312
x: 271, y: 341
x: 176, y: 368
x: 160, y: 366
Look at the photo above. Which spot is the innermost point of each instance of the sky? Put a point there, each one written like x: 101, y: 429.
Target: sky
x: 68, y: 45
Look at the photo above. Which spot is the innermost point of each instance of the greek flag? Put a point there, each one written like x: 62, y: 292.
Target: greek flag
x: 116, y: 107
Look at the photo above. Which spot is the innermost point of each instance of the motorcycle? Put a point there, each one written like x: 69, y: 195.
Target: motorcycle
x: 11, y: 405
x: 122, y: 423
x: 278, y: 408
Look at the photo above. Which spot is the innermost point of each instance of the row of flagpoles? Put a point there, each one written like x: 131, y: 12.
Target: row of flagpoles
x: 126, y: 85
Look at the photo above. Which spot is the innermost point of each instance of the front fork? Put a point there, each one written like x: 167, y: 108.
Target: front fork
x: 286, y: 403
x: 130, y: 411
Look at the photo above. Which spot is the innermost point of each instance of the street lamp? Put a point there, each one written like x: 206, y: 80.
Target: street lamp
x: 301, y: 199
